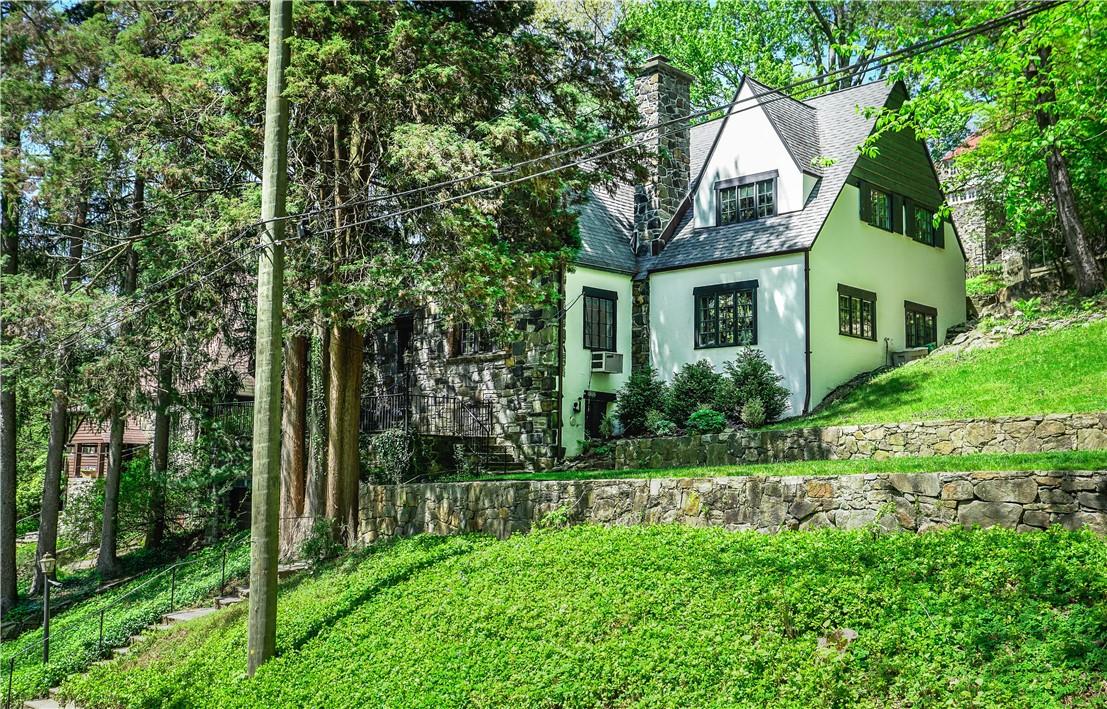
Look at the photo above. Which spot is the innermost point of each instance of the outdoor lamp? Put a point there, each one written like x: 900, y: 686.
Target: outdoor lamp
x: 47, y: 564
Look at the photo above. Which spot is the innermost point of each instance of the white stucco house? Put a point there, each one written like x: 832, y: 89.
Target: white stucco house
x: 766, y: 227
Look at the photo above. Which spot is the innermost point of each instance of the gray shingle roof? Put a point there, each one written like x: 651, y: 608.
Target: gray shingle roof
x: 828, y: 126
x: 795, y: 122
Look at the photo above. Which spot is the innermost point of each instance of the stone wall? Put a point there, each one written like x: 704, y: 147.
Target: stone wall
x: 1023, y: 434
x: 1024, y: 501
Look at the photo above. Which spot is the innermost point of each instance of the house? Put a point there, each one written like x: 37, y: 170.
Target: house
x: 766, y: 228
x: 964, y: 196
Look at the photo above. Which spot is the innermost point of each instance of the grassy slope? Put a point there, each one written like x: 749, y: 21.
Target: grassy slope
x: 1061, y: 371
x: 75, y: 631
x: 659, y: 616
x: 1064, y: 460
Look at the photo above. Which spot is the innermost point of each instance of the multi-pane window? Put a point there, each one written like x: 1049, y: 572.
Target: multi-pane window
x: 921, y: 323
x: 726, y: 315
x: 472, y: 340
x: 880, y: 209
x: 924, y: 225
x: 599, y: 319
x: 747, y: 201
x: 856, y: 312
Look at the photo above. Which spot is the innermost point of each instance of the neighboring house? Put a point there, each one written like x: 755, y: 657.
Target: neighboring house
x: 967, y: 208
x: 766, y: 228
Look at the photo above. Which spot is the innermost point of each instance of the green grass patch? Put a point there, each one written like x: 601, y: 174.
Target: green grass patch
x: 983, y: 284
x: 1060, y: 460
x: 75, y: 631
x: 659, y: 616
x: 1061, y: 371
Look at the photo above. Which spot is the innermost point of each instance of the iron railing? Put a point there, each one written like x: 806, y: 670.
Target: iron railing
x: 427, y: 414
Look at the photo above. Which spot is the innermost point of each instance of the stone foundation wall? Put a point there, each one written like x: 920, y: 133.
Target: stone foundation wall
x: 1026, y: 434
x: 1025, y: 501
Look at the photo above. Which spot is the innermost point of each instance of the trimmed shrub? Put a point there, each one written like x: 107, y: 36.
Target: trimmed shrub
x: 642, y: 393
x: 706, y: 420
x: 658, y: 425
x: 753, y: 413
x: 695, y: 386
x: 754, y: 378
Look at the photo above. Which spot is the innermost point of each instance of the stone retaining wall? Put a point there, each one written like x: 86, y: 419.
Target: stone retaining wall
x: 1016, y: 500
x: 1025, y: 434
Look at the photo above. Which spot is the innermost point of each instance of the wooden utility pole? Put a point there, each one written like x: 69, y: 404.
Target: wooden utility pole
x: 265, y: 513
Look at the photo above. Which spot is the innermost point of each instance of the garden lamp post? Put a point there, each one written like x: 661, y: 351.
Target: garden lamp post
x: 47, y: 565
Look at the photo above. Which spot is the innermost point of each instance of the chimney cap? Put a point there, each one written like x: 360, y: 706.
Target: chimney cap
x: 659, y: 63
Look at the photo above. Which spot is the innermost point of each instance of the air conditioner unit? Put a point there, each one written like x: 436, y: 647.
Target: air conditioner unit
x: 610, y: 362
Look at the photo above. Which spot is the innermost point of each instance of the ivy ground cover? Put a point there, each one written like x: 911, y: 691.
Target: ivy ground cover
x: 659, y: 616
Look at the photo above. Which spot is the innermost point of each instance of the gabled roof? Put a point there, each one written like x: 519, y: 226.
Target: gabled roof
x: 829, y: 127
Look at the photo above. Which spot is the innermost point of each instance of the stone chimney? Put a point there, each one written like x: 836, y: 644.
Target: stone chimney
x: 662, y: 93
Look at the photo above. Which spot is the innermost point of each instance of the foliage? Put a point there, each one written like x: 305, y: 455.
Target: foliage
x: 1066, y: 460
x: 556, y: 519
x: 695, y: 385
x: 952, y: 618
x: 983, y: 285
x: 394, y: 454
x: 706, y: 420
x: 752, y: 377
x: 75, y: 632
x: 607, y: 427
x: 658, y: 425
x: 595, y: 448
x: 320, y: 545
x: 753, y: 412
x: 640, y: 395
x: 1029, y: 309
x: 1055, y: 371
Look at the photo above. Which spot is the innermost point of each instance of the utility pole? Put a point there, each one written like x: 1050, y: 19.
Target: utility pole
x: 267, y: 370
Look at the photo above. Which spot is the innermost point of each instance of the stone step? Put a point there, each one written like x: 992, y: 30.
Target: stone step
x: 224, y: 601
x: 48, y: 704
x: 120, y: 651
x: 286, y: 570
x: 192, y: 614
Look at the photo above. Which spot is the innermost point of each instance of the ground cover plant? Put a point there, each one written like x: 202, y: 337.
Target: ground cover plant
x: 1057, y: 460
x: 659, y: 616
x: 1059, y: 371
x: 130, y: 607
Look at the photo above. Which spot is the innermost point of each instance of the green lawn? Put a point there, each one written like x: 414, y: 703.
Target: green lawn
x: 1062, y: 460
x: 1062, y: 371
x: 130, y: 607
x: 658, y: 616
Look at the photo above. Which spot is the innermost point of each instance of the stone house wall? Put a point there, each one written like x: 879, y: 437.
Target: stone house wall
x: 1013, y: 434
x: 1025, y: 501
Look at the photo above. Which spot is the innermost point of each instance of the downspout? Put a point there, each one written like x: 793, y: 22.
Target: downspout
x: 807, y: 330
x: 560, y: 450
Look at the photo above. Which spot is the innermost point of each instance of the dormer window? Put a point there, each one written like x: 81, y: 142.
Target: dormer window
x: 746, y: 198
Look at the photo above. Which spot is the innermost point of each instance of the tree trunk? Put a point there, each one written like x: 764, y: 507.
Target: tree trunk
x: 355, y: 360
x: 315, y: 494
x: 107, y: 562
x: 343, y: 417
x: 59, y: 412
x: 9, y: 253
x: 1089, y: 277
x: 155, y: 525
x: 294, y: 444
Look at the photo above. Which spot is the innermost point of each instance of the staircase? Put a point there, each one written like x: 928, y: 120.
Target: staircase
x: 239, y: 594
x: 493, y: 458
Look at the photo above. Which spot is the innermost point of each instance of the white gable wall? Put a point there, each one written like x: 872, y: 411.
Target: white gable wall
x: 780, y: 325
x: 748, y: 144
x: 895, y: 267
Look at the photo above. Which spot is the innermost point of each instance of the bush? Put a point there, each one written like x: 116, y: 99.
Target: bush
x: 320, y: 545
x: 753, y: 378
x: 695, y: 385
x: 642, y: 393
x: 706, y: 420
x: 393, y: 452
x: 753, y: 413
x: 658, y: 425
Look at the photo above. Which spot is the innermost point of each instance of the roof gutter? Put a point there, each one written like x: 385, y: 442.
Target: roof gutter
x: 807, y: 331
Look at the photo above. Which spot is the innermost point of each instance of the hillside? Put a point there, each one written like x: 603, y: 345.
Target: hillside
x: 1052, y: 371
x: 658, y: 616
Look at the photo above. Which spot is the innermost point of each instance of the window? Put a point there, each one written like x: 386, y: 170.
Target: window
x: 599, y: 319
x: 726, y: 315
x: 746, y: 198
x: 921, y: 323
x: 924, y: 225
x: 470, y: 340
x: 880, y: 209
x: 856, y: 312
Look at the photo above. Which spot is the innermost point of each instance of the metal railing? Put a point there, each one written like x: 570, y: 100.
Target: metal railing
x: 427, y: 414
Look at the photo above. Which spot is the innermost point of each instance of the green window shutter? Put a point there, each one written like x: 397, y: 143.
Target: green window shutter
x: 897, y: 213
x: 911, y: 226
x: 940, y: 235
x: 866, y: 202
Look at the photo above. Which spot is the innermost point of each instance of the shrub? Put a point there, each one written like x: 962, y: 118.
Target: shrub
x: 753, y: 378
x: 607, y: 427
x: 658, y: 425
x: 642, y: 393
x: 706, y: 420
x: 394, y: 454
x: 753, y: 413
x: 320, y: 544
x: 695, y: 385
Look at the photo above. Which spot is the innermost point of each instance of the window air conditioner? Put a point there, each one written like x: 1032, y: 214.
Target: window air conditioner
x: 609, y: 362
